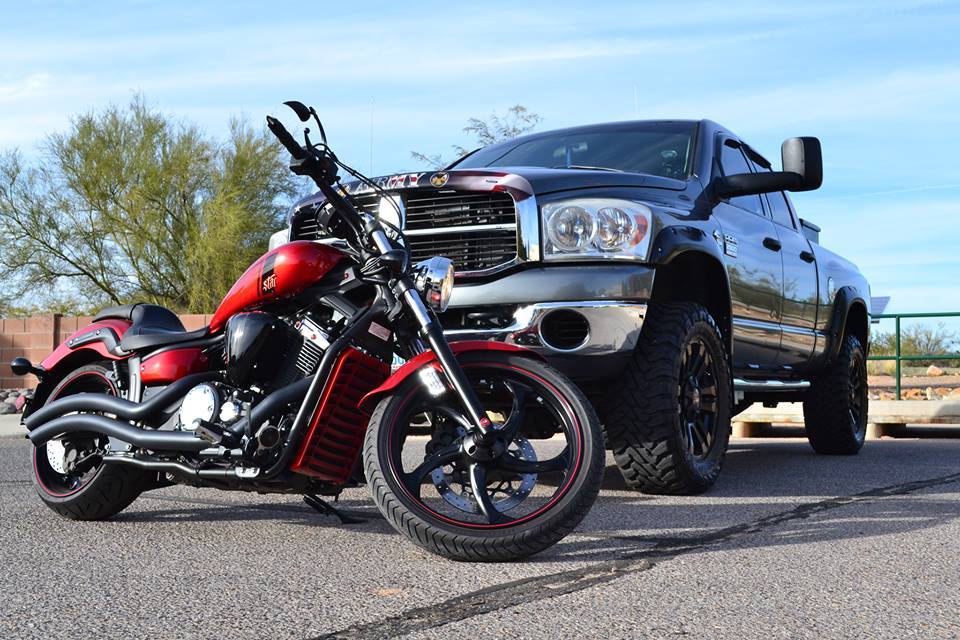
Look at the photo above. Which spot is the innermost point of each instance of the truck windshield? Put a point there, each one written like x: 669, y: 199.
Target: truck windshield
x: 661, y: 148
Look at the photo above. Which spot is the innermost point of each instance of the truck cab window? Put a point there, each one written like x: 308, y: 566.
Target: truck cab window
x: 777, y: 203
x: 732, y: 162
x: 780, y: 209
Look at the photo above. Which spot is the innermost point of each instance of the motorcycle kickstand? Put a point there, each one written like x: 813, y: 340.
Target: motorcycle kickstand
x: 327, y: 509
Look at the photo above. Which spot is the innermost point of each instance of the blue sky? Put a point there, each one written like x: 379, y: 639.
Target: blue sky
x: 878, y: 82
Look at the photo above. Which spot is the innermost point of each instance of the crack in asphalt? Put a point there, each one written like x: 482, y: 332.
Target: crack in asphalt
x: 534, y: 589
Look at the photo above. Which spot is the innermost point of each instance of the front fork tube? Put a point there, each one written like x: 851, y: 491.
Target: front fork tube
x: 431, y: 330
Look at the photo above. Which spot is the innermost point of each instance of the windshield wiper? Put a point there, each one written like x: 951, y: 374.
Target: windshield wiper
x: 586, y: 168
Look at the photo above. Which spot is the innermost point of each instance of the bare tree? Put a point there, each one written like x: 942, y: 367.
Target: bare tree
x: 517, y: 121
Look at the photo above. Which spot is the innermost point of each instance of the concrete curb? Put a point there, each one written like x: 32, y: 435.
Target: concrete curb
x: 887, y: 418
x: 10, y: 426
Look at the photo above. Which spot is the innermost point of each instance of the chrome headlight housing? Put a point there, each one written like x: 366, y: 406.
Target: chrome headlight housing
x: 433, y: 278
x: 596, y: 228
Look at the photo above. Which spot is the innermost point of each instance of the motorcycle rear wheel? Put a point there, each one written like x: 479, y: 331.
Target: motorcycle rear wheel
x: 487, y: 504
x: 99, y: 491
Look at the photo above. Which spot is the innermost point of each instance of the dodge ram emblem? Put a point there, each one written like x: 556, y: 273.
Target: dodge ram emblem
x: 439, y: 179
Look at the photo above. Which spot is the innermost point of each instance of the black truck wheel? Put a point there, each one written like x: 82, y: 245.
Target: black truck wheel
x: 94, y: 491
x: 835, y: 407
x: 668, y: 417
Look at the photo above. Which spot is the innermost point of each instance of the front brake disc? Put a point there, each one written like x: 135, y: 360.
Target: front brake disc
x: 453, y: 482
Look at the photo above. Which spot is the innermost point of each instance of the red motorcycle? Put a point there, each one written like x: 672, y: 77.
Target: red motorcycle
x: 473, y: 450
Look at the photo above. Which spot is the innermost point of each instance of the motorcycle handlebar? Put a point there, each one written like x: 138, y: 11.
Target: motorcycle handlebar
x: 345, y: 215
x: 277, y: 128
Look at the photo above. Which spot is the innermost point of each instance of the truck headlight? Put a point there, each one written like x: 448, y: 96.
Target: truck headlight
x: 596, y: 228
x: 433, y: 278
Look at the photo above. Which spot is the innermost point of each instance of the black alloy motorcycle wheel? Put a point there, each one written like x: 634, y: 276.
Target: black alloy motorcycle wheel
x: 69, y: 475
x: 486, y: 501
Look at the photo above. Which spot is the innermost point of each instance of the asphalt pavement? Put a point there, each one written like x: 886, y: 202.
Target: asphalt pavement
x: 787, y: 545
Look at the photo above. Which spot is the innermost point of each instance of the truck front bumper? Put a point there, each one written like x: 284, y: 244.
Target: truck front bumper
x: 585, y: 320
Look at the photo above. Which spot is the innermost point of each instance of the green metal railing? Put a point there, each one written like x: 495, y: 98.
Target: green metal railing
x: 899, y: 357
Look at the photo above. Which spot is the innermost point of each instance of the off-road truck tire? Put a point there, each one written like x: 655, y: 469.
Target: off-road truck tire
x: 648, y: 410
x: 835, y: 407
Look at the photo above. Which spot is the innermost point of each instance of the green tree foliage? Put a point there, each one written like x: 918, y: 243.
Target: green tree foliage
x: 918, y: 339
x: 131, y: 205
x: 517, y: 121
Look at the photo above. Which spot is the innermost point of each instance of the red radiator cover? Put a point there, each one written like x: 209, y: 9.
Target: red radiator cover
x: 339, y: 424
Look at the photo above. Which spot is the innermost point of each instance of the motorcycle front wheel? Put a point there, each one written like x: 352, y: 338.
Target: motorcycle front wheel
x: 498, y: 500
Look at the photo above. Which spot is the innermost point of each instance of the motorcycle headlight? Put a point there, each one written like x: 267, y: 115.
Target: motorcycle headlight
x: 279, y: 239
x: 596, y: 228
x: 433, y: 278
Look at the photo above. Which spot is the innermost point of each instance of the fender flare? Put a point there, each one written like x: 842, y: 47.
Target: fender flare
x: 676, y: 239
x: 679, y: 240
x: 843, y: 301
x: 428, y: 358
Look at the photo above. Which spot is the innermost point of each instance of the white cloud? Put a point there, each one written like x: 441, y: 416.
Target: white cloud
x: 24, y: 88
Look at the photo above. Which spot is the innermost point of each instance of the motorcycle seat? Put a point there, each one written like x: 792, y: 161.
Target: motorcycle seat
x: 152, y: 326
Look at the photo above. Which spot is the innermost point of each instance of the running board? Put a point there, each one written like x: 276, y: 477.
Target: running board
x: 741, y: 386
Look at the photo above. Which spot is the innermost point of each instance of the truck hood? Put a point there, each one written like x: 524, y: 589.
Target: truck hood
x: 549, y: 180
x: 520, y: 182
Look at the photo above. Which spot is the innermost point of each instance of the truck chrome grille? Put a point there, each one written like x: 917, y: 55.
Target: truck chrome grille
x: 475, y: 229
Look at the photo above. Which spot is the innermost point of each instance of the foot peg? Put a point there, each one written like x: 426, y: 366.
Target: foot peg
x: 327, y: 509
x: 215, y: 434
x: 212, y: 433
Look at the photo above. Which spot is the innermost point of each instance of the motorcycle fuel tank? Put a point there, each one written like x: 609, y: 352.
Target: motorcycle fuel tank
x: 281, y: 273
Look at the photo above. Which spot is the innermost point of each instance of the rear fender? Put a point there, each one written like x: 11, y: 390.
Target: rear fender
x: 102, y: 337
x: 430, y: 358
x: 97, y: 341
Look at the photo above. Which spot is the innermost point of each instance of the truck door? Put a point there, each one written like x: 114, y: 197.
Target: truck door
x: 752, y: 259
x: 799, y: 313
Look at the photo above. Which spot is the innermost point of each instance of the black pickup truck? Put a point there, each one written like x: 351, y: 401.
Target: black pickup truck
x: 663, y: 267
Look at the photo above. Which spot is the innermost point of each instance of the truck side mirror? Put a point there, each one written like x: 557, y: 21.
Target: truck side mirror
x: 803, y: 157
x: 802, y: 171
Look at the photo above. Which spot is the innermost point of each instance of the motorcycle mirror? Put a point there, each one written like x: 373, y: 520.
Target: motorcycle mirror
x: 302, y: 110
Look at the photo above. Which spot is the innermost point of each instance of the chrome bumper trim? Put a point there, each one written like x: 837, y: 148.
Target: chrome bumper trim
x: 740, y: 384
x: 614, y: 327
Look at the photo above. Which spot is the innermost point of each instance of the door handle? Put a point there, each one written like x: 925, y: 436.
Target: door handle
x: 772, y: 243
x: 806, y: 256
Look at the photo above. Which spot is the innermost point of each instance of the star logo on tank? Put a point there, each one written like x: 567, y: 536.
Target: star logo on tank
x: 440, y: 179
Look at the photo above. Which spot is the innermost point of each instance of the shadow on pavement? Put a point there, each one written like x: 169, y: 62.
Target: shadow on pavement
x: 760, y: 480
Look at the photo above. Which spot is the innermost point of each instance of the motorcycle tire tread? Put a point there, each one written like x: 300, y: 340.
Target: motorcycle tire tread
x: 112, y: 491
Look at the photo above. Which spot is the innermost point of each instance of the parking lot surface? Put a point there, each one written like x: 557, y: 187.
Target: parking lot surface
x: 788, y: 544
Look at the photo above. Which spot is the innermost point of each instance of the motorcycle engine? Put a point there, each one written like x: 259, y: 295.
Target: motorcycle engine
x: 266, y: 352
x: 263, y: 352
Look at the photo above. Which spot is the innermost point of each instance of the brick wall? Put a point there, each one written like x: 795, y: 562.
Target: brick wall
x: 36, y: 337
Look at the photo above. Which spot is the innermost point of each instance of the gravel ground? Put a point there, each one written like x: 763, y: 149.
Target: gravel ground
x: 788, y: 544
